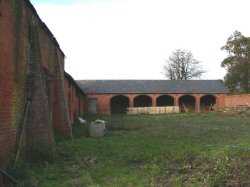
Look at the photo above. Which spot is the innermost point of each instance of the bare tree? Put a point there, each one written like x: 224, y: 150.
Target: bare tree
x: 181, y: 65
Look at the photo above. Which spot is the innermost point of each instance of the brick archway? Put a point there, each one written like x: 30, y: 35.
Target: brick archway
x: 208, y: 102
x: 143, y: 101
x: 165, y: 100
x: 187, y: 103
x: 119, y: 104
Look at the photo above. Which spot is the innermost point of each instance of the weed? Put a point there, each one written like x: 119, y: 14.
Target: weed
x: 219, y: 171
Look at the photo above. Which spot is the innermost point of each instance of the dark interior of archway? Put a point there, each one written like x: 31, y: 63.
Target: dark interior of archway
x: 165, y: 100
x: 142, y: 101
x: 119, y: 105
x: 207, y: 102
x: 187, y: 103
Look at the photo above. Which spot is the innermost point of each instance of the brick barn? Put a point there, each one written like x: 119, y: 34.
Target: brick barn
x: 115, y: 96
x: 34, y: 103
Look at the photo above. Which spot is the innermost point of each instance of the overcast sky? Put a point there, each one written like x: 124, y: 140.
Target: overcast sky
x: 131, y: 39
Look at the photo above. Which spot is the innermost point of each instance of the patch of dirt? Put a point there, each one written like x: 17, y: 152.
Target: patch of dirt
x: 91, y: 161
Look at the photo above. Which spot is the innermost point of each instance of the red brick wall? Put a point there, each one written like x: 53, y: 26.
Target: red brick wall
x: 60, y: 115
x: 103, y: 102
x: 221, y: 101
x: 80, y: 105
x: 75, y: 99
x: 70, y: 91
x: 8, y: 106
x: 25, y: 41
x: 237, y: 100
x: 103, y: 106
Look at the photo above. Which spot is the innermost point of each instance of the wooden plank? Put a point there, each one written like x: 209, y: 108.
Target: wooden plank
x: 210, y: 108
x: 184, y: 107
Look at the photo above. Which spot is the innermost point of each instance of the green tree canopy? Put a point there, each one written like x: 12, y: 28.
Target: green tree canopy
x: 237, y: 63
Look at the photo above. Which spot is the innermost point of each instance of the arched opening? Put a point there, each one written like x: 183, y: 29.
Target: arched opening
x: 187, y: 103
x: 165, y: 100
x: 142, y: 101
x: 207, y: 103
x: 119, y: 104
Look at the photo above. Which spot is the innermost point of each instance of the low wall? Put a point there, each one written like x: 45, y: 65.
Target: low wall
x: 153, y: 110
x: 235, y: 101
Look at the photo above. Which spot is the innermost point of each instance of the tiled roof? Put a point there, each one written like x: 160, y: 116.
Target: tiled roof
x: 152, y: 86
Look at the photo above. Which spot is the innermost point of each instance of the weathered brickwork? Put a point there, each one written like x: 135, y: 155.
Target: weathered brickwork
x: 31, y: 74
x: 61, y: 121
x: 103, y: 100
x: 232, y: 101
x: 8, y: 95
x: 75, y: 98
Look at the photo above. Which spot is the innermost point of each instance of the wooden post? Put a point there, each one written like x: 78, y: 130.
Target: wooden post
x: 184, y: 107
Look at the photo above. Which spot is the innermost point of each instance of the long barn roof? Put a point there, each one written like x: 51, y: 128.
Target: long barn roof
x: 151, y: 86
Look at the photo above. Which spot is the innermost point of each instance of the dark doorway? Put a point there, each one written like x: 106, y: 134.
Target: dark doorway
x: 187, y: 103
x: 165, y: 100
x: 142, y: 101
x: 119, y: 104
x: 207, y: 103
x: 92, y: 105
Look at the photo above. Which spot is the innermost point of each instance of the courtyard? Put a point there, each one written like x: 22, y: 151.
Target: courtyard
x: 204, y: 149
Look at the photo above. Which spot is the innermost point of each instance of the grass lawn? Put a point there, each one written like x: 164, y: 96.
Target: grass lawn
x: 158, y: 150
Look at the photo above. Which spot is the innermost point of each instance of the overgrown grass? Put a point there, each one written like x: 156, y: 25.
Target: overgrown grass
x: 162, y: 150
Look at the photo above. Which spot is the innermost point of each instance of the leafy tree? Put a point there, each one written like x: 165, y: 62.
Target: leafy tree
x: 181, y: 65
x: 237, y: 63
